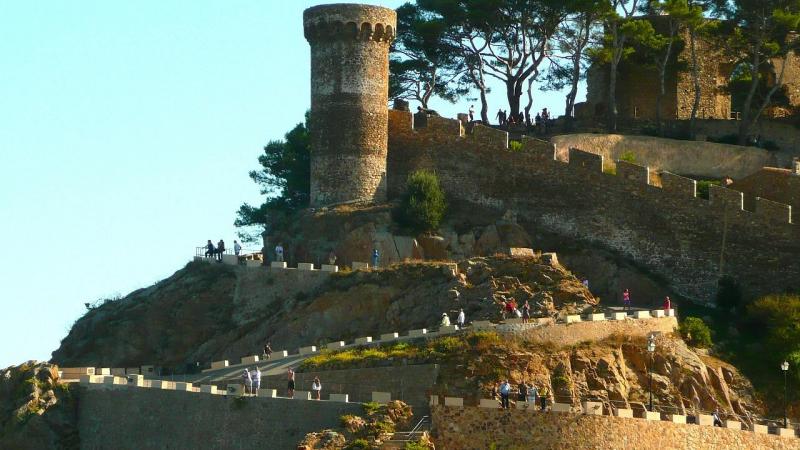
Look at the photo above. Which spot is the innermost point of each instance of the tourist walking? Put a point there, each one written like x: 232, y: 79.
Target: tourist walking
x: 247, y: 382
x: 376, y: 258
x: 220, y: 249
x: 461, y: 319
x: 526, y: 312
x: 501, y: 117
x: 267, y: 350
x: 626, y: 299
x: 471, y: 113
x: 505, y: 390
x: 256, y: 376
x: 290, y: 386
x: 316, y: 388
x: 279, y: 252
x: 667, y: 304
x: 445, y: 320
x: 210, y: 250
x: 237, y: 248
x: 543, y: 397
x: 522, y: 392
x: 532, y: 395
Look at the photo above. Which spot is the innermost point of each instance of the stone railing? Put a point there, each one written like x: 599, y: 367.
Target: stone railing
x: 592, y: 407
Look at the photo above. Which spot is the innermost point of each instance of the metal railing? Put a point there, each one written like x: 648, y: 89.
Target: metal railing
x: 415, y: 433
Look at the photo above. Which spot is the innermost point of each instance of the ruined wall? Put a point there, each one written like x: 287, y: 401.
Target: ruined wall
x: 157, y: 419
x: 705, y: 159
x: 480, y: 428
x: 349, y: 93
x: 688, y: 240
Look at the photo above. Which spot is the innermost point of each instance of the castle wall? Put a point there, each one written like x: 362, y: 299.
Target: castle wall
x: 349, y: 93
x: 468, y: 428
x: 687, y: 240
x: 705, y: 159
x: 157, y: 419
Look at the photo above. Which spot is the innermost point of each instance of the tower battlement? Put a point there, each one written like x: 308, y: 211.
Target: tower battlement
x: 349, y: 93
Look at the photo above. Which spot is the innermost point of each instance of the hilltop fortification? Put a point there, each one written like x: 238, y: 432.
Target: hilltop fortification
x: 349, y: 94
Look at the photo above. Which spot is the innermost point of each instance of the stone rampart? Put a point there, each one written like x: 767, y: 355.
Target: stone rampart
x: 705, y: 159
x: 575, y: 333
x: 135, y: 418
x: 471, y: 428
x: 669, y: 231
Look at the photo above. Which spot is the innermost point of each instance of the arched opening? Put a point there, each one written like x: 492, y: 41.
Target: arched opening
x: 366, y: 30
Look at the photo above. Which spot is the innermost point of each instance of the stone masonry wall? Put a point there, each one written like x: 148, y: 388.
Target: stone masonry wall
x: 408, y: 383
x: 140, y: 419
x: 576, y: 333
x: 687, y: 240
x: 349, y: 93
x: 706, y: 159
x: 479, y: 428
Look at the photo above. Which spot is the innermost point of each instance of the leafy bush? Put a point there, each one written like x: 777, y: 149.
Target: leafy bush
x: 515, y: 146
x: 423, y: 204
x: 415, y: 446
x: 703, y: 187
x: 628, y: 156
x: 358, y: 444
x: 695, y: 332
x: 779, y: 315
x: 371, y: 408
x: 729, y: 293
x: 448, y: 345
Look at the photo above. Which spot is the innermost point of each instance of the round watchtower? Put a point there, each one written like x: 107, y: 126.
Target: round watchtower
x: 349, y: 101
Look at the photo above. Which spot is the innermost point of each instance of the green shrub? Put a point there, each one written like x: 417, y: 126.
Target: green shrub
x: 448, y: 345
x: 695, y: 332
x: 423, y: 204
x: 703, y: 187
x: 780, y: 316
x: 415, y: 446
x: 371, y: 408
x: 628, y: 156
x: 515, y: 146
x: 358, y: 444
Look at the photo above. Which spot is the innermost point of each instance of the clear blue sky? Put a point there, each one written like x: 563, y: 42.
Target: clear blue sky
x: 126, y: 133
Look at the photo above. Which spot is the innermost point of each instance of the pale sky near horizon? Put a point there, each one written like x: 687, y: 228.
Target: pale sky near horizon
x: 127, y: 130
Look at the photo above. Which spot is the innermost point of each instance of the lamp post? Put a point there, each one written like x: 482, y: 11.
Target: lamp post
x: 651, y: 348
x: 785, y: 369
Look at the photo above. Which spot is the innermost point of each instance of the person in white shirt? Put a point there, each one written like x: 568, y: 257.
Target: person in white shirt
x: 256, y: 375
x: 279, y: 253
x: 316, y: 388
x: 445, y: 320
x: 461, y: 318
x: 237, y: 248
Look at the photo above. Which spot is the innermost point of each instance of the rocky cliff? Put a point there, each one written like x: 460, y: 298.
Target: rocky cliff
x: 207, y: 311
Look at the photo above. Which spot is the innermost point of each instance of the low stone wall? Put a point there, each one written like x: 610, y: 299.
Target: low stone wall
x: 407, y: 383
x: 682, y: 157
x: 480, y: 428
x: 135, y: 418
x: 574, y: 333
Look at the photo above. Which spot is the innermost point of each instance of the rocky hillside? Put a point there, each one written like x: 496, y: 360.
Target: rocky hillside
x: 206, y: 312
x: 36, y: 411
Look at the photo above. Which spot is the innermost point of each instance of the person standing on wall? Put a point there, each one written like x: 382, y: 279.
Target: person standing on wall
x: 256, y: 375
x: 316, y: 388
x: 220, y: 249
x: 247, y: 382
x: 376, y: 257
x: 267, y: 350
x: 279, y: 252
x: 505, y: 390
x: 210, y: 250
x: 471, y: 113
x: 461, y: 318
x: 526, y: 312
x: 667, y: 304
x: 543, y: 398
x: 332, y: 258
x: 445, y: 320
x: 626, y: 299
x: 237, y: 248
x: 290, y: 384
x: 532, y: 395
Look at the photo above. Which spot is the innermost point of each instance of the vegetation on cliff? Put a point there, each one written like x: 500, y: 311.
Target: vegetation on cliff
x: 423, y: 204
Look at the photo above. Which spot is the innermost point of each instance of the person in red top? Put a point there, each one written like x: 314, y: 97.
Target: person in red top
x: 626, y: 299
x: 509, y: 308
x: 667, y: 304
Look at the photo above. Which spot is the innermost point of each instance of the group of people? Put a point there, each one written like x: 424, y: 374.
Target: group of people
x: 460, y: 319
x: 251, y: 382
x: 541, y: 121
x: 219, y: 250
x: 526, y: 393
x: 626, y: 301
x: 511, y: 310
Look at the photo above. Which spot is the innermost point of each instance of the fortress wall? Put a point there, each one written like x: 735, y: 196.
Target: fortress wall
x: 633, y: 172
x: 575, y: 333
x: 409, y: 383
x: 706, y: 159
x: 665, y: 230
x: 725, y: 198
x: 678, y: 184
x: 773, y: 211
x: 538, y: 147
x: 585, y: 160
x: 157, y: 419
x: 468, y: 428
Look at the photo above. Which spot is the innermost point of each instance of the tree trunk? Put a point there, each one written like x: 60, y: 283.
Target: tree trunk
x: 696, y: 80
x: 745, y: 124
x: 530, y: 99
x: 612, y: 97
x: 484, y: 106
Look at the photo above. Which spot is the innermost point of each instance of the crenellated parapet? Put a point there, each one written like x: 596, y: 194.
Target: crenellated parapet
x: 349, y: 22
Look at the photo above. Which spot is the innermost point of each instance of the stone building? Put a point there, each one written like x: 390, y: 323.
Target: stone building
x: 638, y: 84
x: 349, y: 97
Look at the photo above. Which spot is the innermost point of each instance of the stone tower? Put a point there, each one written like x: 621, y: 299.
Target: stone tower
x: 349, y: 101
